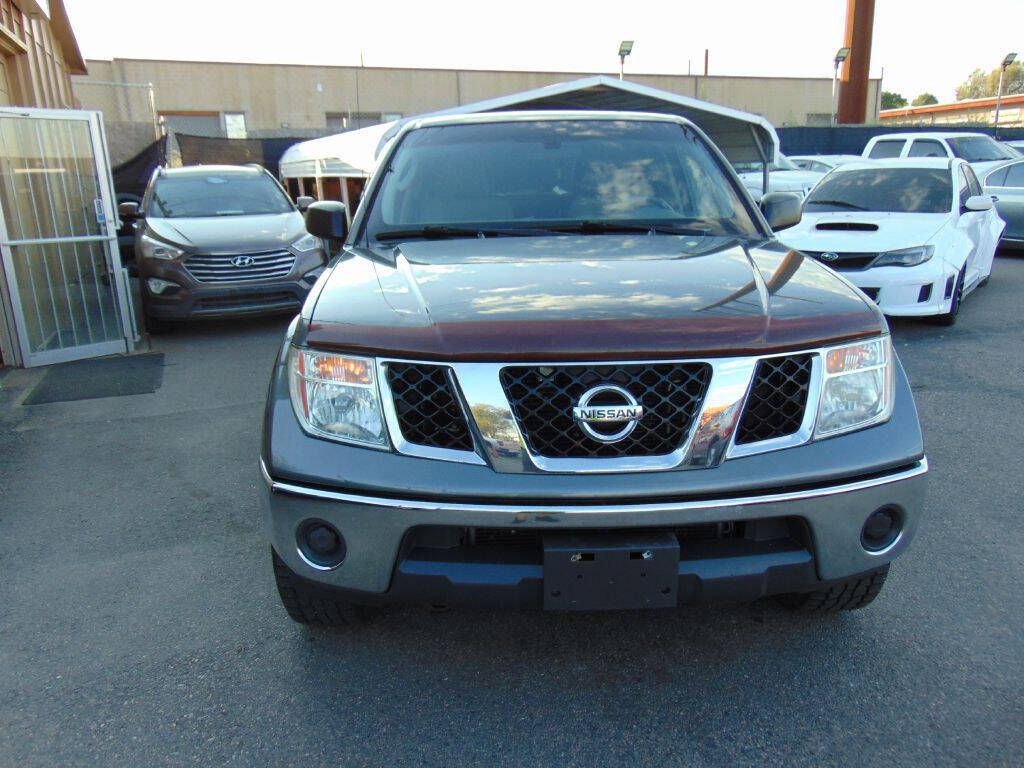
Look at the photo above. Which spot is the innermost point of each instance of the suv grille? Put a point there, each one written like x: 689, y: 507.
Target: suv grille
x: 221, y: 269
x: 847, y: 262
x: 777, y: 400
x: 542, y: 399
x: 428, y: 411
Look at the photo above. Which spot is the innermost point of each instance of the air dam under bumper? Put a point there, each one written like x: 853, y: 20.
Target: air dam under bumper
x: 380, y: 565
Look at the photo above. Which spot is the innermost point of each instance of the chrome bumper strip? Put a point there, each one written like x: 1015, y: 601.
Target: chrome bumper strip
x: 920, y: 468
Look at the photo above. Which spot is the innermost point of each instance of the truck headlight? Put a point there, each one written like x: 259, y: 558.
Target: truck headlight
x: 155, y: 249
x: 336, y: 396
x: 856, y: 387
x: 905, y: 257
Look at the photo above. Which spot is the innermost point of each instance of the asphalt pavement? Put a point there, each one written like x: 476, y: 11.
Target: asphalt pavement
x: 139, y: 625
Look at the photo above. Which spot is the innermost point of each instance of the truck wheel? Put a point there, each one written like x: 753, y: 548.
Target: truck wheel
x: 949, y: 318
x: 309, y: 603
x: 844, y: 596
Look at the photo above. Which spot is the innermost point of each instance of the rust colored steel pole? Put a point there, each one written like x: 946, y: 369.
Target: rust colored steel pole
x: 853, y: 83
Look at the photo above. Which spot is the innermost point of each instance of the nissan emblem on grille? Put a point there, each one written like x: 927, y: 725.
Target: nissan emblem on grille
x: 616, y: 406
x: 242, y: 261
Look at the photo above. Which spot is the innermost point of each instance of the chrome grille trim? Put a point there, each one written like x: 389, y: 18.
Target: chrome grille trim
x: 210, y: 268
x: 502, y: 447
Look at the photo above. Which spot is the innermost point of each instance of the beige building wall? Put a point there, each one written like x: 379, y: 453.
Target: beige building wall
x: 282, y: 99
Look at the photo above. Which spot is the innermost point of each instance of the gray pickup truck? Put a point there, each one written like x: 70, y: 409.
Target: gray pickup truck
x: 560, y: 361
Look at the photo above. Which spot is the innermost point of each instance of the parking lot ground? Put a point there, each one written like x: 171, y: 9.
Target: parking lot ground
x: 139, y: 623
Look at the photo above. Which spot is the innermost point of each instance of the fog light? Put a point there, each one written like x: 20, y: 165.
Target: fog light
x: 158, y: 286
x: 321, y: 545
x: 881, y: 529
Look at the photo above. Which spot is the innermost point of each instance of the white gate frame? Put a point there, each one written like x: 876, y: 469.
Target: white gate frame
x: 17, y: 337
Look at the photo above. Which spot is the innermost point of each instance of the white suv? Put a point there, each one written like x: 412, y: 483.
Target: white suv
x: 979, y: 149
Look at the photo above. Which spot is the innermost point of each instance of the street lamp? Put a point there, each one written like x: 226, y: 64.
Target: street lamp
x: 841, y: 55
x: 1007, y: 61
x: 625, y: 48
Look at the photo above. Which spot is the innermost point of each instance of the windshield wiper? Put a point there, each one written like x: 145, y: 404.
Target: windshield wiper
x: 839, y: 203
x: 439, y: 232
x: 613, y: 226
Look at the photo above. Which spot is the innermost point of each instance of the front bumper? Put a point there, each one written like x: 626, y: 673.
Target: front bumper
x: 193, y: 299
x: 382, y: 563
x: 908, y: 291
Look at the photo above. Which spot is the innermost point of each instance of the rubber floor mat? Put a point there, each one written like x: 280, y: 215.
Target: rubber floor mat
x: 102, y: 377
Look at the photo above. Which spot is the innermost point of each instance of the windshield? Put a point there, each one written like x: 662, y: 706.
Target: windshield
x: 197, y: 195
x: 979, y: 149
x: 536, y: 175
x: 887, y: 190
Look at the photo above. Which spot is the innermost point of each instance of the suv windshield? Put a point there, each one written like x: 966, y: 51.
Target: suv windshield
x: 197, y: 195
x: 535, y: 176
x: 888, y: 190
x: 979, y: 149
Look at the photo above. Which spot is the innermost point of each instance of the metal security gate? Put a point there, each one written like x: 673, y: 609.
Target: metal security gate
x: 67, y: 294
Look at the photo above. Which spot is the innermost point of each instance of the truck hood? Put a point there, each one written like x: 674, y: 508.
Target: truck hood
x: 598, y: 297
x: 868, y: 232
x: 230, y: 234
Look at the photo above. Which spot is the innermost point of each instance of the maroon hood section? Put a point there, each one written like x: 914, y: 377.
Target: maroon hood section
x: 584, y: 298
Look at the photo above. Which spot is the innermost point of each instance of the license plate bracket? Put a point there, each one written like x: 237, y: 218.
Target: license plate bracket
x: 610, y: 571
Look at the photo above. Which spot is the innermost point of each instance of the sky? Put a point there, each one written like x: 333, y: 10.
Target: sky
x: 922, y: 45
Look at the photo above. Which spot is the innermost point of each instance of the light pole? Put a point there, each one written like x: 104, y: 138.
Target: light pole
x: 1007, y: 61
x: 625, y: 48
x: 841, y: 56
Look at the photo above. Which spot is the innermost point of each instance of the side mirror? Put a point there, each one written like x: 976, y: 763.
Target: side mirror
x: 303, y: 202
x: 327, y: 220
x: 978, y: 203
x: 128, y: 210
x: 781, y: 209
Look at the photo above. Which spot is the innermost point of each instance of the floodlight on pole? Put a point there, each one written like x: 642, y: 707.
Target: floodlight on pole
x: 841, y: 55
x: 1008, y: 59
x: 625, y: 48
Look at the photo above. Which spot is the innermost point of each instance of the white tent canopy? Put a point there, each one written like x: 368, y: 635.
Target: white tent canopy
x: 743, y: 137
x: 351, y: 154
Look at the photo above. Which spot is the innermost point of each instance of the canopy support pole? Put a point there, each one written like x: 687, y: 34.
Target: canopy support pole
x: 764, y: 160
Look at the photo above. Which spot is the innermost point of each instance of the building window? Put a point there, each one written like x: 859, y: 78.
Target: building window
x: 234, y: 125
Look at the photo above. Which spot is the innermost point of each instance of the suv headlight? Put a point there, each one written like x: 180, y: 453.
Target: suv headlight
x: 856, y: 387
x: 306, y: 243
x: 156, y: 249
x: 336, y: 396
x: 906, y: 257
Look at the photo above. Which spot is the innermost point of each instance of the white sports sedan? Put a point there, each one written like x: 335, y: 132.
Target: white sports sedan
x: 914, y: 235
x: 783, y: 176
x: 821, y: 163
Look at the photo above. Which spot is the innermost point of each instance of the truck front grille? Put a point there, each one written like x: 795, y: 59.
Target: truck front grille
x: 542, y: 399
x: 240, y: 267
x: 428, y: 412
x: 777, y: 400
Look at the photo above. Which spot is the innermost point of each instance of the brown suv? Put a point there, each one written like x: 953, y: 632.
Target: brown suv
x: 215, y: 240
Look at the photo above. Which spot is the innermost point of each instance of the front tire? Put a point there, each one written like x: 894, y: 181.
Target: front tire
x: 155, y: 327
x: 949, y: 318
x: 309, y: 603
x: 847, y: 595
